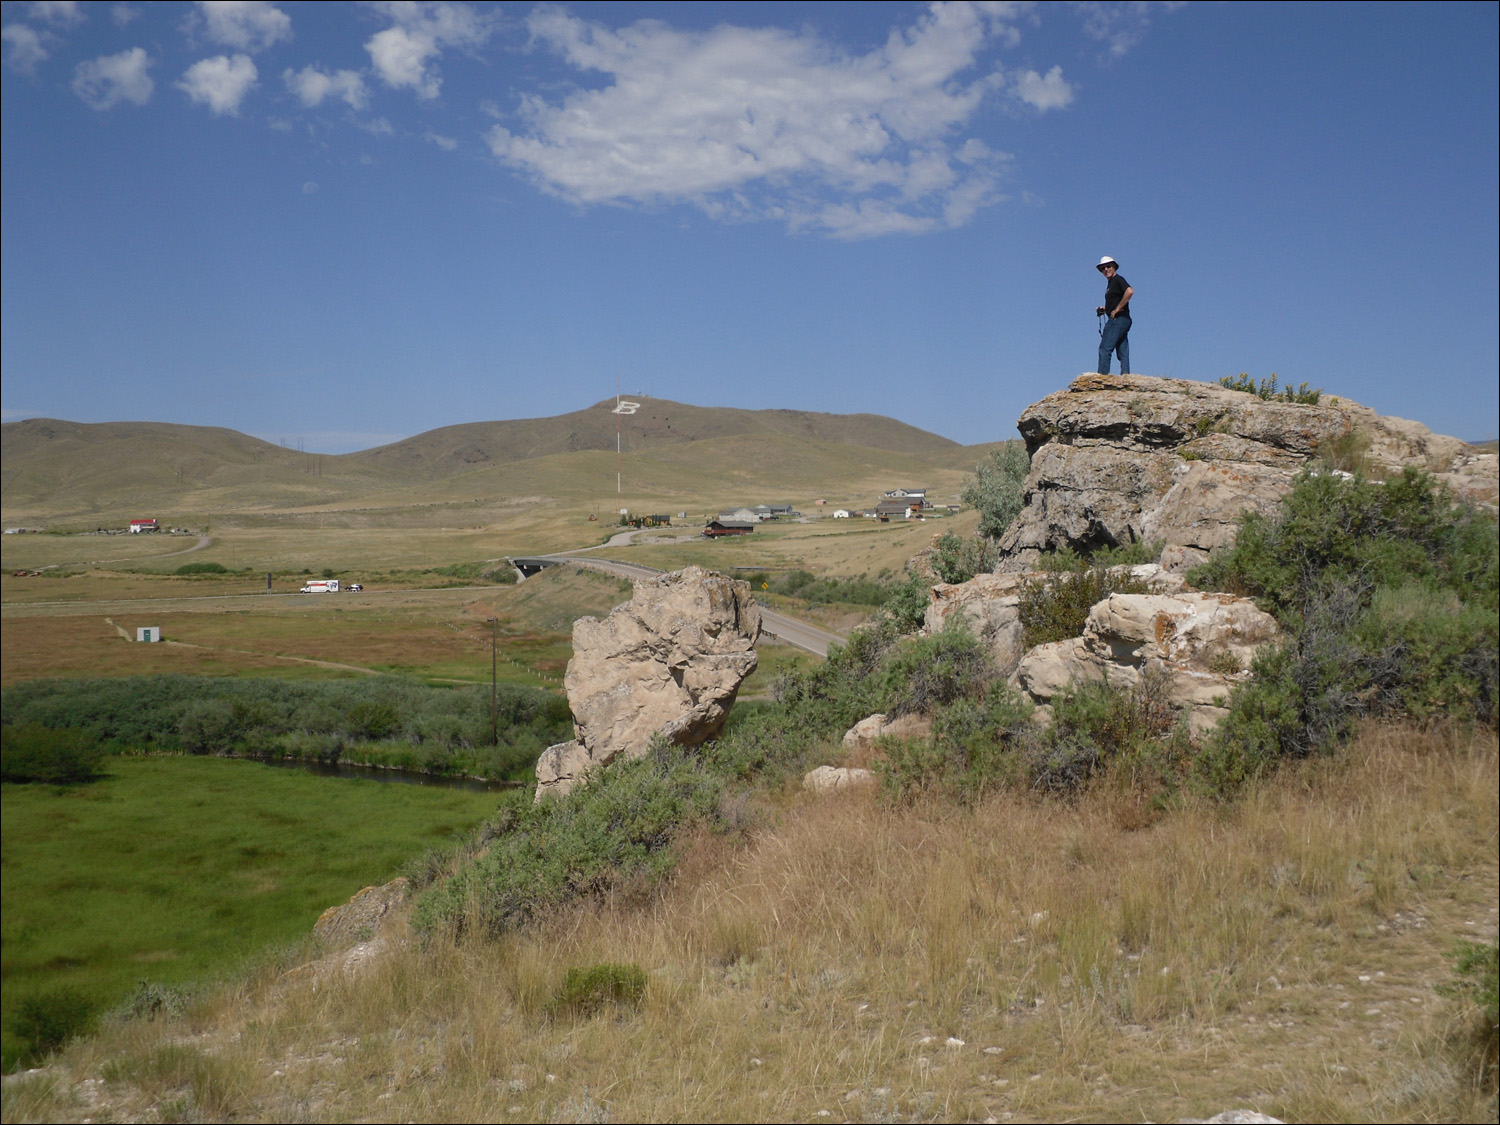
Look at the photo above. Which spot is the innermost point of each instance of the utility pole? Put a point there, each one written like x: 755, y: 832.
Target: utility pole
x: 494, y: 687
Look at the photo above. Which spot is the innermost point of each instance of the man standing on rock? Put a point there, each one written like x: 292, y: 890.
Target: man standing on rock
x: 1116, y: 335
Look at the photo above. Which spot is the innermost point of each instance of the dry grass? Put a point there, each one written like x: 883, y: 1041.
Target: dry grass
x: 1279, y: 952
x: 442, y: 634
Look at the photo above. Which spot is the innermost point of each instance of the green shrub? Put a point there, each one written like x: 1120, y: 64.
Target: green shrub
x: 827, y: 590
x: 1057, y: 607
x: 150, y: 1000
x: 998, y: 488
x: 1476, y: 985
x: 586, y: 990
x: 956, y: 559
x: 924, y: 673
x: 383, y: 720
x: 1267, y: 389
x: 972, y: 751
x: 616, y: 831
x: 45, y: 1021
x: 1386, y: 594
x: 32, y: 752
x: 1097, y: 723
x: 906, y: 608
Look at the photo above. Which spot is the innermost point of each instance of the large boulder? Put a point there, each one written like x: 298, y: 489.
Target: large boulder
x: 1124, y: 458
x: 668, y: 662
x: 1202, y: 644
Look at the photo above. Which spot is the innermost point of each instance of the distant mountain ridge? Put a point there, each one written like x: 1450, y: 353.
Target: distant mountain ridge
x: 73, y: 469
x: 657, y: 422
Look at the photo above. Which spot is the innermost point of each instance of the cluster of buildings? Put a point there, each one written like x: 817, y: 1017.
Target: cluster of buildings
x: 898, y: 503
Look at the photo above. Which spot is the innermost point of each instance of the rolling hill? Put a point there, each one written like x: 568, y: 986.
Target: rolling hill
x: 107, y: 473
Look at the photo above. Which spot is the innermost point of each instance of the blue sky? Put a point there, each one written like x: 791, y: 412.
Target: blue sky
x: 345, y: 224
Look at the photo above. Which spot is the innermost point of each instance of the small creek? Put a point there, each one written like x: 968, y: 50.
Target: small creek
x: 390, y: 776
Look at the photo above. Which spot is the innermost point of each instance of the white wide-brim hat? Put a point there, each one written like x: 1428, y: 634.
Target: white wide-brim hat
x: 1106, y: 261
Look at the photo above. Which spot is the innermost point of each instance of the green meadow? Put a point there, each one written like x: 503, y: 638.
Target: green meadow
x: 175, y: 870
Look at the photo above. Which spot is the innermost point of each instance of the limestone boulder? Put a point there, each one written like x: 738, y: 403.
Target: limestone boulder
x: 988, y: 606
x: 1202, y: 643
x: 830, y: 779
x: 667, y: 662
x: 860, y: 739
x: 1118, y: 459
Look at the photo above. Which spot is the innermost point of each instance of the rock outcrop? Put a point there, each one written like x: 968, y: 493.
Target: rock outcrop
x: 668, y: 662
x: 357, y: 919
x: 988, y: 605
x: 1201, y: 644
x: 831, y: 779
x: 1124, y: 458
x: 860, y: 739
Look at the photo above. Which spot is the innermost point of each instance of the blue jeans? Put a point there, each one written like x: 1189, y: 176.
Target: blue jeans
x: 1116, y: 338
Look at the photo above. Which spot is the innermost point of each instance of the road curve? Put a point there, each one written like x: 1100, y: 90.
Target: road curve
x: 779, y: 625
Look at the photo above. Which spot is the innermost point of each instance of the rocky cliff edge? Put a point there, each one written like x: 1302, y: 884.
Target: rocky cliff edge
x: 1117, y: 459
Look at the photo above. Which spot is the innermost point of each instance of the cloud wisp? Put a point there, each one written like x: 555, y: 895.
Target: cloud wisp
x: 105, y: 82
x: 220, y: 83
x: 405, y: 54
x: 24, y: 51
x: 246, y: 25
x: 765, y: 123
x: 312, y: 85
x: 1121, y: 25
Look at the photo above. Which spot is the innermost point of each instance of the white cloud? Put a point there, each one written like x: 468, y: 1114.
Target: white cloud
x: 250, y: 25
x: 311, y: 86
x: 447, y: 144
x: 1044, y: 91
x: 124, y: 14
x: 310, y: 188
x: 106, y: 81
x: 220, y: 83
x: 23, y: 48
x: 1120, y: 26
x: 767, y: 123
x: 61, y: 13
x: 405, y: 53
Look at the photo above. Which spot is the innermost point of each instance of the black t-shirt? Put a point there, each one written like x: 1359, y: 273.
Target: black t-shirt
x: 1114, y: 293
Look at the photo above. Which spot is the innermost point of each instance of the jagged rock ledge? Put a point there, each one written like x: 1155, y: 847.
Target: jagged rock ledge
x: 1118, y: 459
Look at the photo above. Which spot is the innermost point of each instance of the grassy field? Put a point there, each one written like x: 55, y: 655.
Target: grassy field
x: 1024, y: 959
x: 173, y: 870
x: 439, y: 635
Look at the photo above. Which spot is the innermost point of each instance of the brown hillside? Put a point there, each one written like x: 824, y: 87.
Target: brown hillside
x: 124, y: 469
x: 659, y: 422
x: 106, y: 473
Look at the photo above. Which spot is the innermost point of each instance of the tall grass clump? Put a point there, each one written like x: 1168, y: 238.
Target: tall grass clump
x: 1386, y: 593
